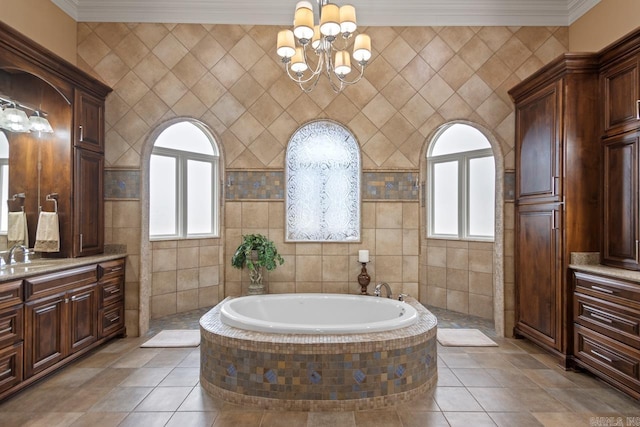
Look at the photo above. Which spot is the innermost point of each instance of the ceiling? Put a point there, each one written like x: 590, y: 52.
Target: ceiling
x: 370, y: 12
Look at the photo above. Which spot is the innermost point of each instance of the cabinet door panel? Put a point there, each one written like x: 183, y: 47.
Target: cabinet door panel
x: 89, y: 203
x: 45, y: 334
x: 538, y: 146
x: 83, y: 306
x: 89, y: 120
x: 621, y: 91
x: 621, y: 201
x: 538, y: 269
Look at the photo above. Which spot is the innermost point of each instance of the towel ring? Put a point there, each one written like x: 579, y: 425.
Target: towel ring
x: 53, y: 197
x: 18, y: 196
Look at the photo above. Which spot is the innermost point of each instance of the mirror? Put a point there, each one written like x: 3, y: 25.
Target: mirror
x: 30, y: 164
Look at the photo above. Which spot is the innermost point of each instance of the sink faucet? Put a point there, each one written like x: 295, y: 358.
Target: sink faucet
x: 379, y: 287
x: 25, y: 253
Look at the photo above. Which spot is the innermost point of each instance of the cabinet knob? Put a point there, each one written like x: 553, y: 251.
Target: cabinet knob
x: 638, y: 109
x: 81, y: 133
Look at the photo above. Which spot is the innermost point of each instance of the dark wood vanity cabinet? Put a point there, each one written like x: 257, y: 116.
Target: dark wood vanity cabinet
x: 11, y: 334
x: 61, y: 316
x: 620, y: 90
x: 88, y: 231
x: 48, y: 320
x: 111, y: 299
x: 557, y: 168
x: 620, y: 86
x: 607, y: 329
x: 88, y: 122
x: 620, y: 201
x: 69, y: 162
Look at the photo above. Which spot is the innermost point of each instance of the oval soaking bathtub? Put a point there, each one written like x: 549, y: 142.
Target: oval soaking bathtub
x: 336, y: 353
x: 316, y: 313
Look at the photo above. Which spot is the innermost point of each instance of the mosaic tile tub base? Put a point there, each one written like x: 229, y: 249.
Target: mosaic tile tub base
x: 318, y: 372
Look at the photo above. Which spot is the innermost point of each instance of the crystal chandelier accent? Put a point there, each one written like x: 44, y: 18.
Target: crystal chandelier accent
x: 324, y: 45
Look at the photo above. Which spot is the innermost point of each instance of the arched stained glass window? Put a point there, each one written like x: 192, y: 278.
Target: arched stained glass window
x: 323, y: 184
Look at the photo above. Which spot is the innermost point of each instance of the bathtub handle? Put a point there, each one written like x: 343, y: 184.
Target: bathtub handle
x: 401, y: 297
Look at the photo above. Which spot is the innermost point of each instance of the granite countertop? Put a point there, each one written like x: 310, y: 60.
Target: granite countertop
x: 588, y: 262
x: 49, y: 265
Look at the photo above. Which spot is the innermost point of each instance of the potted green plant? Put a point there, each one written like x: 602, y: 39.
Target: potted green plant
x: 256, y: 252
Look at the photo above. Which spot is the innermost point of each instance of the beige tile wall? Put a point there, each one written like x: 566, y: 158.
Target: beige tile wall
x: 185, y: 275
x: 389, y: 232
x: 459, y: 276
x: 229, y: 77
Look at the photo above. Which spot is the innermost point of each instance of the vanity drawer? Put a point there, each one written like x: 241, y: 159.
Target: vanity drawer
x: 616, y: 361
x: 110, y: 319
x: 49, y: 284
x: 614, y: 290
x: 111, y: 269
x: 10, y: 366
x: 111, y: 291
x: 10, y: 293
x: 613, y: 320
x: 11, y: 325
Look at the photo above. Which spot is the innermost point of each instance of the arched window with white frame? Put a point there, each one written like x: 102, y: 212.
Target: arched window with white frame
x: 184, y: 186
x: 461, y: 191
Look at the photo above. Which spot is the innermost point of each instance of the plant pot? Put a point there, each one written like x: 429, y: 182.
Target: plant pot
x: 256, y: 287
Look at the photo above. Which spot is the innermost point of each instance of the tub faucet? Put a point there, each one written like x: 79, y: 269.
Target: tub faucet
x: 379, y: 287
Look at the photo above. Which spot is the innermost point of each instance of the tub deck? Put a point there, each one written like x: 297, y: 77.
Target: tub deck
x: 318, y: 372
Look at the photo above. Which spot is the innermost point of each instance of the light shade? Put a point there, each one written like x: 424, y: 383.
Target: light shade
x: 303, y: 24
x: 362, y: 48
x: 297, y: 62
x: 40, y: 124
x: 348, y: 19
x: 342, y: 63
x: 330, y: 20
x: 286, y: 44
x: 15, y: 120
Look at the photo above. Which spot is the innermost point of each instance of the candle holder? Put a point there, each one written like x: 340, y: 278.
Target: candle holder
x: 364, y: 279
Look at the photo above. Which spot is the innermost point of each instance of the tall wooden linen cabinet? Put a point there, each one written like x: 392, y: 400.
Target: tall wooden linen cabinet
x: 557, y: 209
x: 68, y: 162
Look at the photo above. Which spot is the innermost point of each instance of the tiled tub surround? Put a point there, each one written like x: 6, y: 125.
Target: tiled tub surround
x: 318, y: 372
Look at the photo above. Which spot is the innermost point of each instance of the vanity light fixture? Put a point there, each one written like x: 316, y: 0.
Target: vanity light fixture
x: 329, y: 42
x: 40, y: 123
x: 15, y: 120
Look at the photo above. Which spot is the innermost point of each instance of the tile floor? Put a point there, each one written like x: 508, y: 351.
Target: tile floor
x: 515, y: 384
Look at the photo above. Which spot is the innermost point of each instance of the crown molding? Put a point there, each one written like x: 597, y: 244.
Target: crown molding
x: 370, y: 12
x: 70, y: 7
x: 577, y: 8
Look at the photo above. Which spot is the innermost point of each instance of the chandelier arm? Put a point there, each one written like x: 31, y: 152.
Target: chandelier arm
x: 356, y: 80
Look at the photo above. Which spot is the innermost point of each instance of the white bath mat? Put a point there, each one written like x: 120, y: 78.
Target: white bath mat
x: 175, y: 338
x: 464, y: 338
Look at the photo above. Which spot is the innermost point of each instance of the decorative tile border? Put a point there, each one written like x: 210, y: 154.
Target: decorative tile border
x: 122, y: 184
x: 259, y: 185
x: 270, y: 185
x: 318, y: 372
x: 390, y: 186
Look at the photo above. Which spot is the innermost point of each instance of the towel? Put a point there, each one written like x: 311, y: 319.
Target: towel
x: 48, y: 233
x: 17, y: 233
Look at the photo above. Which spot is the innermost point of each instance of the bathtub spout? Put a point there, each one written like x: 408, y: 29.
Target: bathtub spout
x: 379, y: 287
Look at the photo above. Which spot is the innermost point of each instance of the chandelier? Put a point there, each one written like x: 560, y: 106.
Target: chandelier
x: 322, y: 49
